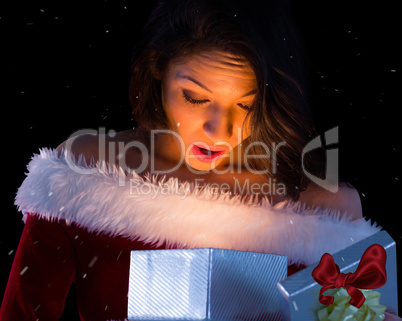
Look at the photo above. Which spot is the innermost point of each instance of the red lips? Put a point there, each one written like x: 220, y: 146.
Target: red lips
x: 207, y: 154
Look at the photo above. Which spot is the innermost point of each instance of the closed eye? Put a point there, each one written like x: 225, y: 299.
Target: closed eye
x: 245, y: 107
x: 194, y: 101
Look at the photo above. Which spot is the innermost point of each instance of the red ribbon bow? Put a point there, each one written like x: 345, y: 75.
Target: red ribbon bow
x: 370, y: 274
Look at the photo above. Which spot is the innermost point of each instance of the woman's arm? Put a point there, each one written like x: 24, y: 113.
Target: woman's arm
x: 41, y: 274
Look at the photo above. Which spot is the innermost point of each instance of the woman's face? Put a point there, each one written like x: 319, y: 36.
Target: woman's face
x: 206, y: 98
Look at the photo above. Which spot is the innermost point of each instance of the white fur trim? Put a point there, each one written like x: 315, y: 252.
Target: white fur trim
x: 166, y: 211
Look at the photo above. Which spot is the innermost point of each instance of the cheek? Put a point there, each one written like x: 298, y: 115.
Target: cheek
x: 246, y: 134
x: 171, y: 105
x: 180, y: 116
x: 243, y: 126
x: 246, y: 130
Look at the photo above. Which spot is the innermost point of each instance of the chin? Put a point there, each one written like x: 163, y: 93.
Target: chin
x: 199, y: 166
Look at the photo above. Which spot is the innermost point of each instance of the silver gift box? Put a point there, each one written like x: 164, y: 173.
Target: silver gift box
x: 299, y: 292
x: 204, y: 284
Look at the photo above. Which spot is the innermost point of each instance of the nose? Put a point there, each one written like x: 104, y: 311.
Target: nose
x: 219, y: 124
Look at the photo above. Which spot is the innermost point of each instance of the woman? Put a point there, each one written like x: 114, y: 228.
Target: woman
x: 217, y: 91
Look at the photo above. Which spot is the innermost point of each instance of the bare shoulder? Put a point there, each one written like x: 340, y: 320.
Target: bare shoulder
x: 95, y: 147
x: 86, y: 145
x: 346, y: 200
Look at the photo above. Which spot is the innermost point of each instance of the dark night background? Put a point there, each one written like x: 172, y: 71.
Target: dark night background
x: 65, y: 66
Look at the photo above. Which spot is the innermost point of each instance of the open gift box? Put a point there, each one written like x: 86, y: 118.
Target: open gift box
x: 217, y: 284
x: 204, y: 284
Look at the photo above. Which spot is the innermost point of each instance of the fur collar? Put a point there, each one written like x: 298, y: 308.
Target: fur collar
x: 107, y: 201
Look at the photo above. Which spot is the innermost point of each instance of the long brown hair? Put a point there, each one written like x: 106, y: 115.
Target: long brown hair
x: 263, y: 33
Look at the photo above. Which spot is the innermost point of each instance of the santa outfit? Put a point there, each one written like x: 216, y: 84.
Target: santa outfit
x: 83, y: 220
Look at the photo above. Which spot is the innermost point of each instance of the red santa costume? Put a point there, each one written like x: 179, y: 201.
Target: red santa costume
x: 82, y: 221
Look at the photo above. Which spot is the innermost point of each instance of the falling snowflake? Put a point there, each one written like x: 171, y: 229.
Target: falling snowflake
x: 119, y: 255
x: 91, y: 264
x: 24, y: 270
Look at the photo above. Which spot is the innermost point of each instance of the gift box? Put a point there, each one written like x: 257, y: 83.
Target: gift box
x: 299, y: 293
x: 204, y: 284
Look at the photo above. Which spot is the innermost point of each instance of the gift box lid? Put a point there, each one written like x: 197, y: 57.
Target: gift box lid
x: 204, y: 284
x: 299, y: 292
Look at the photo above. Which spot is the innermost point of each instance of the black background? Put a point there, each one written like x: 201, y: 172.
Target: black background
x: 65, y: 66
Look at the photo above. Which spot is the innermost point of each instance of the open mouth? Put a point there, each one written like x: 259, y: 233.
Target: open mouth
x: 207, y: 151
x: 206, y: 155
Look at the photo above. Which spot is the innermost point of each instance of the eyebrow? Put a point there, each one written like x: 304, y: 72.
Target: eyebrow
x: 179, y: 75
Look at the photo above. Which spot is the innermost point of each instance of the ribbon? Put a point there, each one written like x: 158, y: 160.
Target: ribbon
x: 370, y: 274
x: 340, y: 310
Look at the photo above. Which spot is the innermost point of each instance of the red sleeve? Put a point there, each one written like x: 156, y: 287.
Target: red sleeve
x: 41, y: 275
